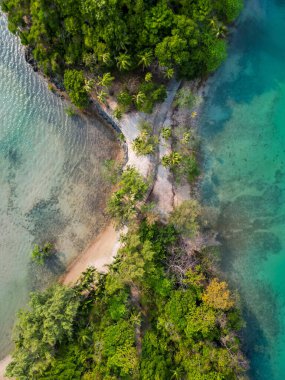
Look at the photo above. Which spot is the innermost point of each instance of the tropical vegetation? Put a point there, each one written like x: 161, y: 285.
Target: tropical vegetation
x: 159, y: 313
x: 107, y: 39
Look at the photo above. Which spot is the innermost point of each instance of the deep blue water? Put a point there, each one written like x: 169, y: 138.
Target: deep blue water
x: 243, y: 130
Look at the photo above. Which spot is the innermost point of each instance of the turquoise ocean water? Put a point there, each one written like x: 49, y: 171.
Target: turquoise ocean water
x: 243, y: 129
x: 51, y: 186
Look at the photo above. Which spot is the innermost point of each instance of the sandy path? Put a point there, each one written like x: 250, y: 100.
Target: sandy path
x: 3, y: 364
x: 99, y: 254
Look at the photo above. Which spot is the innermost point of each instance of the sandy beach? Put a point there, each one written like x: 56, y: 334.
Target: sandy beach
x: 99, y: 255
x: 3, y: 364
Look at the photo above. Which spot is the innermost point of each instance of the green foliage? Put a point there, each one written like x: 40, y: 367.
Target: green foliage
x: 134, y: 322
x: 145, y: 143
x: 74, y: 83
x: 169, y: 73
x: 118, y: 113
x: 124, y: 62
x: 167, y: 37
x: 185, y: 143
x: 190, y: 167
x: 41, y: 254
x: 153, y: 93
x: 145, y: 58
x: 166, y: 133
x: 148, y: 77
x: 217, y: 53
x: 122, y: 205
x: 231, y: 8
x: 185, y: 218
x: 185, y: 98
x: 102, y: 96
x: 106, y: 80
x: 49, y: 322
x: 171, y: 160
x: 124, y: 99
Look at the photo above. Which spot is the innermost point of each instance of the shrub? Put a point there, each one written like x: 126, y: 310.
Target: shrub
x: 185, y: 98
x: 41, y: 254
x: 122, y: 205
x: 145, y: 143
x: 166, y: 133
x: 191, y: 167
x: 154, y: 93
x: 171, y: 160
x: 124, y: 98
x: 74, y: 83
x: 118, y: 113
x: 185, y: 218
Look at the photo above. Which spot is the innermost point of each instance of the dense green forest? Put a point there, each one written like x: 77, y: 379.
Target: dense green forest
x: 159, y: 313
x: 89, y: 38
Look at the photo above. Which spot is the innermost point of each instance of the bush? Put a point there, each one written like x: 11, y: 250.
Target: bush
x: 166, y: 133
x: 70, y: 111
x: 124, y: 99
x: 185, y: 98
x: 118, y: 113
x: 145, y: 143
x: 154, y: 93
x: 191, y: 167
x: 74, y: 83
x: 185, y: 218
x: 123, y: 204
x: 171, y: 160
x: 41, y: 254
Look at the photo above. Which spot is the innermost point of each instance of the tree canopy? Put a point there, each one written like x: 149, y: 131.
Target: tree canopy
x: 186, y: 37
x: 135, y: 322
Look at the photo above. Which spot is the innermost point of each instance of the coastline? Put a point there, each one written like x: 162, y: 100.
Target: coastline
x: 3, y: 364
x: 165, y: 193
x: 162, y: 189
x: 99, y: 254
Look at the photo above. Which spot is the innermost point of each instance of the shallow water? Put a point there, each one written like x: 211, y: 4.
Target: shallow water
x: 243, y: 128
x: 51, y: 185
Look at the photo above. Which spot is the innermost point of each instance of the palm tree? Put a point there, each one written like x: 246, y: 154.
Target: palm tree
x: 145, y: 58
x: 89, y: 83
x: 84, y: 337
x: 171, y: 159
x: 169, y: 73
x: 177, y: 374
x: 213, y: 21
x: 106, y: 58
x: 106, y: 80
x: 148, y: 77
x: 221, y: 30
x: 135, y: 319
x: 139, y: 98
x: 218, y: 28
x: 123, y: 62
x: 101, y: 96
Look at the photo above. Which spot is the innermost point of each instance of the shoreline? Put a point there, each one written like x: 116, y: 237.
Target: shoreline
x: 99, y: 254
x: 3, y: 364
x: 103, y: 249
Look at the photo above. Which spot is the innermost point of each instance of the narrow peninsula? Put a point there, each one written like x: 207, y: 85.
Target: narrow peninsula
x: 147, y: 300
